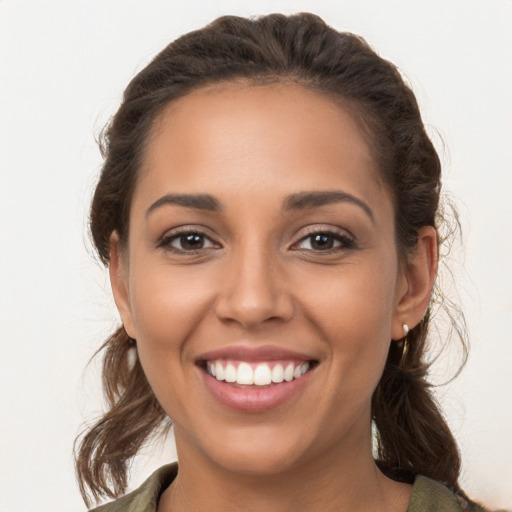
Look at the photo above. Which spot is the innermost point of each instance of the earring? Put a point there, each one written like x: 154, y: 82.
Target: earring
x: 405, y: 349
x: 131, y: 355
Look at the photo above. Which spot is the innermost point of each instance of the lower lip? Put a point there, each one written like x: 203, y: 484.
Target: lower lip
x: 255, y: 398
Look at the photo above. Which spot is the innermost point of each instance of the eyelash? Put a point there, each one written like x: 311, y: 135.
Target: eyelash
x: 166, y: 241
x: 344, y: 241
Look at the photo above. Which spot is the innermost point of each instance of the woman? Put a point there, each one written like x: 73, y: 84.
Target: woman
x: 268, y: 211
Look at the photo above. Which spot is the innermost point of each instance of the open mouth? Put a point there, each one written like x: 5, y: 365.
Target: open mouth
x: 261, y: 373
x: 253, y: 379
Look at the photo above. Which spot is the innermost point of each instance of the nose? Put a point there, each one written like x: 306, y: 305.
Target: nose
x: 254, y: 290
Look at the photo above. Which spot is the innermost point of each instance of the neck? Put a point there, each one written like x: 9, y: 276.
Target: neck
x: 336, y: 481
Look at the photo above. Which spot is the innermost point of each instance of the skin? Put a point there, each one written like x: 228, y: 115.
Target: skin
x: 259, y: 279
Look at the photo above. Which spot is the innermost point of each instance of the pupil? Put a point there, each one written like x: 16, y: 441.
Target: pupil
x: 322, y: 242
x: 191, y: 241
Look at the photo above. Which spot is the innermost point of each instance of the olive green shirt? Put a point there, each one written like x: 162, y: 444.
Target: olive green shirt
x: 427, y: 496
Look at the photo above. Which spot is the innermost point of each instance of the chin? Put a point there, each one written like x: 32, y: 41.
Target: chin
x: 259, y: 463
x: 261, y: 453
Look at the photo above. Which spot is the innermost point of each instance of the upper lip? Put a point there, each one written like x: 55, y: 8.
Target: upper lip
x: 254, y: 353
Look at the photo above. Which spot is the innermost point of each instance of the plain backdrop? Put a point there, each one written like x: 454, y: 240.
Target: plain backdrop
x: 63, y: 68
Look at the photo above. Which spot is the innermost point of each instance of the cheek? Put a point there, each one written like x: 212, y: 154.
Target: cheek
x: 167, y: 307
x: 359, y: 296
x: 354, y: 310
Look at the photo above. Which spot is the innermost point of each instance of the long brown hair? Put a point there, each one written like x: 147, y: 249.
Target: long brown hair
x: 412, y: 436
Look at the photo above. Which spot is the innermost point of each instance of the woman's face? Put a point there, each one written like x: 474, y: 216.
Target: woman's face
x: 261, y: 249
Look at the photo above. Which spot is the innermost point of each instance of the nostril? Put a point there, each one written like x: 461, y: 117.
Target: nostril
x: 250, y: 313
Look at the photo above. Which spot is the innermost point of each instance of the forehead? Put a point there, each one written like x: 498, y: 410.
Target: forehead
x: 279, y: 136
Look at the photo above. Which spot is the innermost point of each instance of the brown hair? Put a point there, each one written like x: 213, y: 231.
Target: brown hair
x: 412, y: 436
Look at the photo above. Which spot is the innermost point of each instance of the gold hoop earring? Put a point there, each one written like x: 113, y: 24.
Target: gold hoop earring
x: 405, y: 348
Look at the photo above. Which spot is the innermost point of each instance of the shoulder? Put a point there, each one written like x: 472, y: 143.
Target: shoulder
x: 431, y: 496
x: 144, y: 498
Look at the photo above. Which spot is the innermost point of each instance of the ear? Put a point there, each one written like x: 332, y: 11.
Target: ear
x: 420, y: 270
x: 118, y: 270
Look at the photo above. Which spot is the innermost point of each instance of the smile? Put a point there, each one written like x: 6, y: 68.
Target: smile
x: 255, y: 379
x: 257, y: 374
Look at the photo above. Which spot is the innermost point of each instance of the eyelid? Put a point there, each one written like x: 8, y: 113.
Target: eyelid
x: 345, y: 238
x: 165, y: 240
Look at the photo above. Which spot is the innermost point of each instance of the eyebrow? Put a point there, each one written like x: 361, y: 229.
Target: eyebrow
x: 307, y: 200
x: 204, y: 202
x: 298, y: 201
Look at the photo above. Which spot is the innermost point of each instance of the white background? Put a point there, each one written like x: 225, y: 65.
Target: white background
x: 63, y: 68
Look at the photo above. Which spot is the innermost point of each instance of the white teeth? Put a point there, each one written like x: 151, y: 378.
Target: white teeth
x: 230, y: 373
x: 300, y: 370
x: 244, y: 374
x: 261, y: 375
x: 277, y: 373
x: 219, y: 371
x: 288, y: 373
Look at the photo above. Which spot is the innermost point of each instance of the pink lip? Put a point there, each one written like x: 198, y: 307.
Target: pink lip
x: 254, y: 398
x: 251, y: 353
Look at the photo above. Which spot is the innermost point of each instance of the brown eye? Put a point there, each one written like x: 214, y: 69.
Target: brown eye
x: 324, y: 241
x: 189, y: 241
